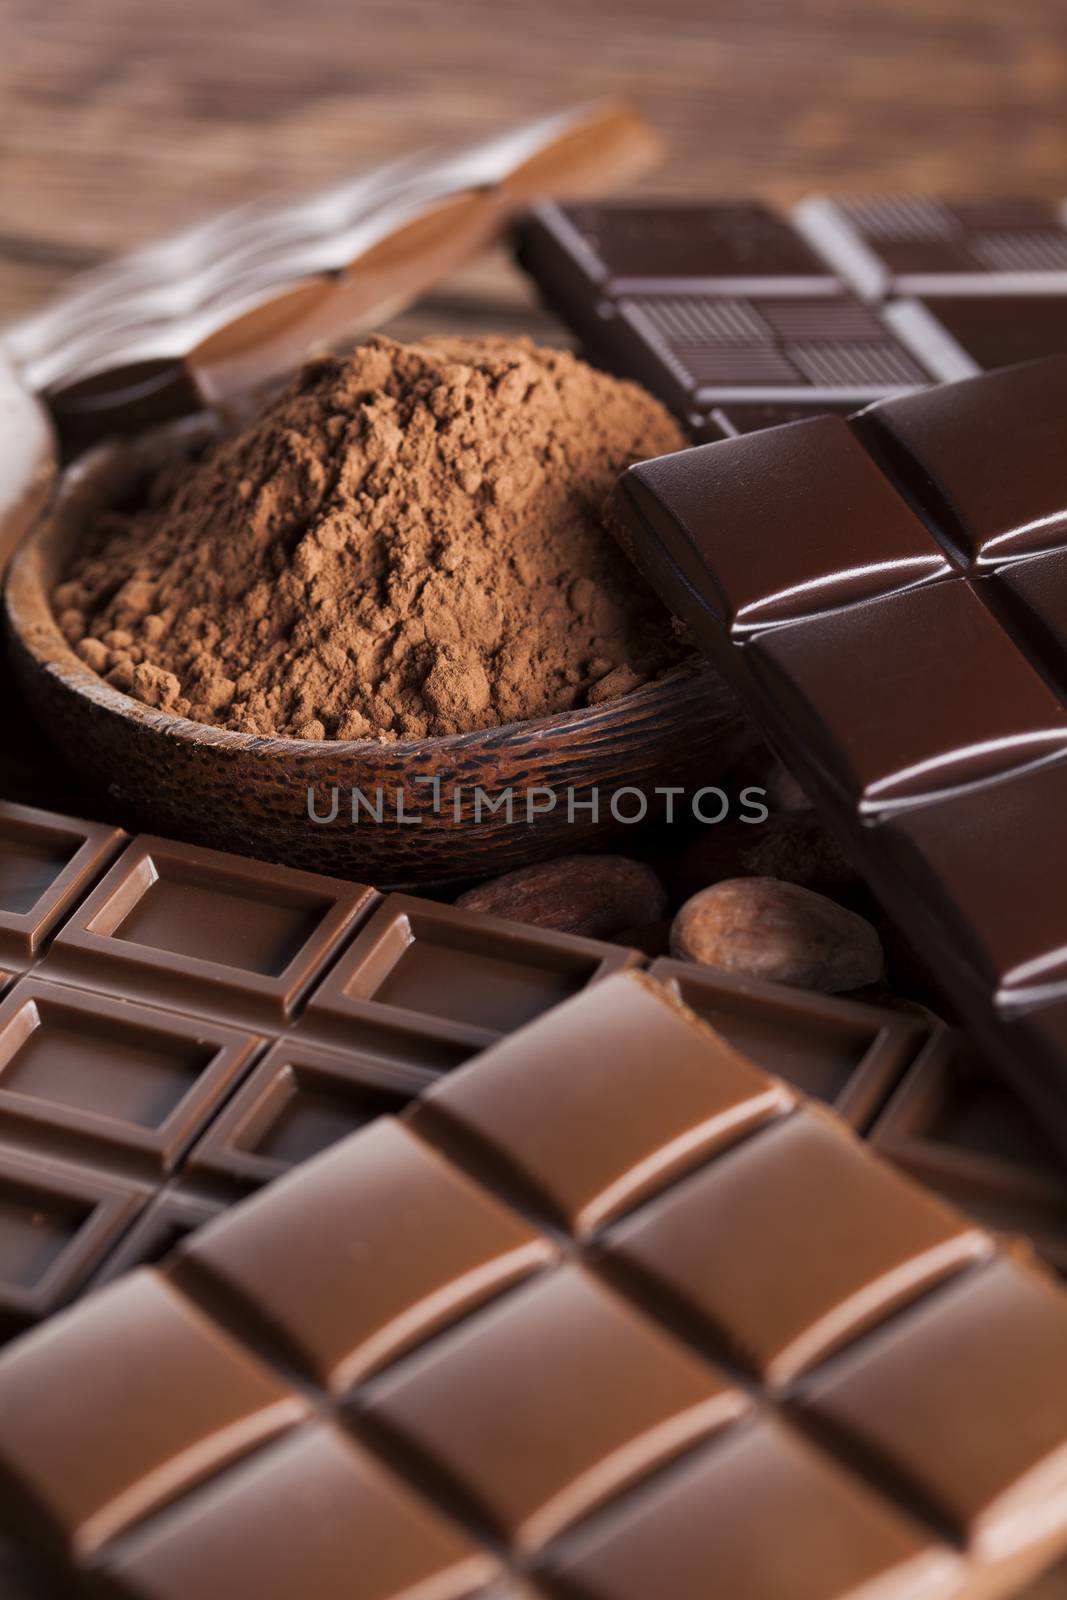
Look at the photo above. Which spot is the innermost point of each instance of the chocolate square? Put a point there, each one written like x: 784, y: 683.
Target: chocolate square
x: 316, y: 1508
x: 47, y: 863
x: 936, y: 1398
x: 184, y: 1399
x: 849, y: 684
x: 613, y: 248
x: 572, y: 1113
x: 430, y: 985
x: 724, y: 1243
x: 782, y: 1519
x: 971, y: 864
x: 562, y: 1346
x: 412, y: 1245
x: 754, y: 562
x: 848, y: 1055
x: 107, y: 1081
x: 56, y: 1224
x: 996, y: 491
x: 299, y: 1101
x: 177, y: 925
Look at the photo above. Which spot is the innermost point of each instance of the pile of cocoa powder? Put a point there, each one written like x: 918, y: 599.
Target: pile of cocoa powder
x: 407, y: 542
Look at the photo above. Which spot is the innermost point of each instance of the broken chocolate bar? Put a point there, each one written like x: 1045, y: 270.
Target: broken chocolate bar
x: 730, y: 1316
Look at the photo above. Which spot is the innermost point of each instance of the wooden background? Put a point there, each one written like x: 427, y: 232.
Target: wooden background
x: 123, y: 119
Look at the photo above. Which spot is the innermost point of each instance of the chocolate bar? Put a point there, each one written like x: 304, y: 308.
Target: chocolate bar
x: 956, y: 1125
x: 727, y: 1316
x: 138, y: 1099
x: 919, y: 244
x: 712, y: 307
x: 178, y: 1027
x: 959, y: 336
x: 864, y: 584
x: 740, y: 320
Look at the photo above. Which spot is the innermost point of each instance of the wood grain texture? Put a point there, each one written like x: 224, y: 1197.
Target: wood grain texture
x: 124, y: 120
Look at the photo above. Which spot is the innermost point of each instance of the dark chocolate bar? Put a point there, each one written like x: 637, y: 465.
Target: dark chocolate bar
x: 886, y: 594
x: 609, y: 1314
x: 920, y: 244
x: 959, y: 336
x: 739, y: 321
x: 718, y: 308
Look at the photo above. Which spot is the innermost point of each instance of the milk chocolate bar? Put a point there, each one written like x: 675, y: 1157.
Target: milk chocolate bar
x: 886, y: 594
x: 133, y: 1109
x: 740, y: 320
x: 707, y: 1310
x: 179, y: 1026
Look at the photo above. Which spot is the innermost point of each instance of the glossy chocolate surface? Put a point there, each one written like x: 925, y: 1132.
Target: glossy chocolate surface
x: 750, y: 526
x: 985, y: 457
x: 927, y: 715
x: 851, y: 682
x: 864, y: 1370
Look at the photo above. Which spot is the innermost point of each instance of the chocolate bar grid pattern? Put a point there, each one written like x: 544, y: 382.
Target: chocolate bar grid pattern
x: 901, y: 636
x: 115, y: 1194
x: 739, y: 320
x: 972, y: 285
x: 905, y: 1411
x: 180, y: 1026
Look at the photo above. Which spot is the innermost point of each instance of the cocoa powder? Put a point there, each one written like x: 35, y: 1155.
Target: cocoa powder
x: 408, y: 542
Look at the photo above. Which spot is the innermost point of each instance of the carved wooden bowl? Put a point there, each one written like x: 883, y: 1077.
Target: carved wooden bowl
x: 250, y: 794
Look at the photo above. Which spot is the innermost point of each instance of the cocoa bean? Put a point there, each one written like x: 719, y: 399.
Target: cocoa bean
x: 769, y: 929
x: 793, y: 846
x: 596, y: 896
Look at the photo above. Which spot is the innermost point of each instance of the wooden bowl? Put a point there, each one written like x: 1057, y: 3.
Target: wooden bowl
x: 250, y: 794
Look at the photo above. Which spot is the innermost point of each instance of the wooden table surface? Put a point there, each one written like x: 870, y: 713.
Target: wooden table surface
x: 124, y: 119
